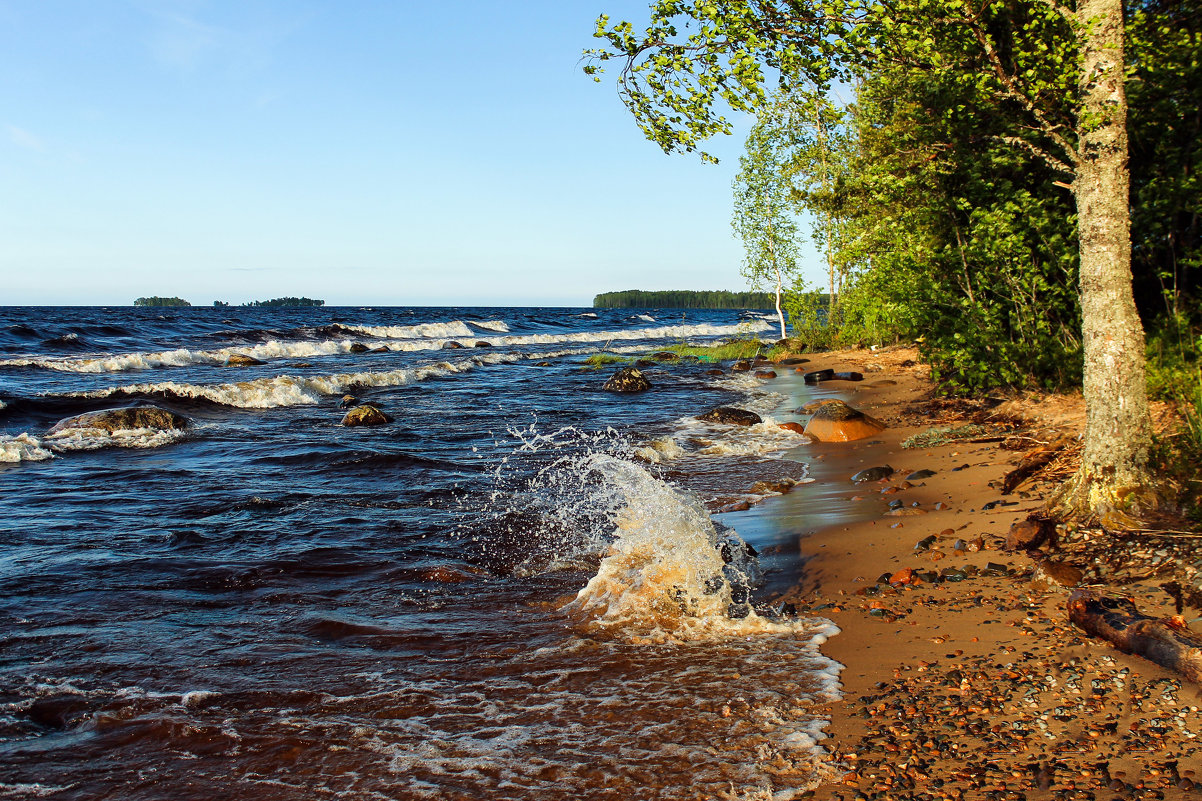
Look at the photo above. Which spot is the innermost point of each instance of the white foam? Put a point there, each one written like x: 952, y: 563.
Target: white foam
x: 647, y: 317
x: 274, y: 349
x: 455, y: 328
x: 90, y: 439
x: 22, y: 448
x: 286, y: 390
x: 492, y: 325
x: 661, y: 450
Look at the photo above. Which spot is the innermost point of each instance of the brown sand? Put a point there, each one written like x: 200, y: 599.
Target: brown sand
x: 978, y: 688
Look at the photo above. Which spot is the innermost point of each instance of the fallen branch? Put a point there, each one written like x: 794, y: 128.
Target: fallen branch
x: 1121, y: 624
x: 1030, y: 464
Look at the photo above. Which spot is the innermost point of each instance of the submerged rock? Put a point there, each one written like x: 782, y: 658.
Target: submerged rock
x: 835, y: 421
x: 628, y: 379
x: 452, y: 345
x: 348, y: 401
x: 742, y: 365
x: 480, y: 343
x: 796, y: 428
x: 765, y: 374
x: 124, y: 419
x: 873, y: 474
x: 731, y: 416
x: 365, y: 415
x: 242, y: 360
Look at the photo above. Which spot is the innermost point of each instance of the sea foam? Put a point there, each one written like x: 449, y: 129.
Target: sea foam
x: 22, y: 448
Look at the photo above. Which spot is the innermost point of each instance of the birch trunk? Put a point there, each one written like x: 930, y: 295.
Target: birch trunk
x: 1113, y: 483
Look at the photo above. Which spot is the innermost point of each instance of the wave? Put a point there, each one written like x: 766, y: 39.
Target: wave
x: 456, y: 328
x: 22, y: 448
x: 91, y: 439
x: 181, y: 357
x: 492, y: 325
x: 286, y: 390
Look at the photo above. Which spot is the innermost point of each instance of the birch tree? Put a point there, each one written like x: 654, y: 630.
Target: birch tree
x: 696, y: 56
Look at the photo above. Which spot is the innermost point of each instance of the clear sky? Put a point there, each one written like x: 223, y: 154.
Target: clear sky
x: 362, y: 151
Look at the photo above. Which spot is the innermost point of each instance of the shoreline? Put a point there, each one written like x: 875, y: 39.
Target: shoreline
x: 976, y: 686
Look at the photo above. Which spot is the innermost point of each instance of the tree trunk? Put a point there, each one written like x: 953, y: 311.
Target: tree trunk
x: 1117, y: 621
x: 1113, y: 484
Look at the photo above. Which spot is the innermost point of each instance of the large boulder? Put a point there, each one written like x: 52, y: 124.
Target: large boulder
x: 128, y: 418
x: 628, y: 379
x: 835, y: 421
x: 365, y: 415
x: 731, y: 416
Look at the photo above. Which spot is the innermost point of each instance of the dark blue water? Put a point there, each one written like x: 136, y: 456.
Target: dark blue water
x: 269, y: 604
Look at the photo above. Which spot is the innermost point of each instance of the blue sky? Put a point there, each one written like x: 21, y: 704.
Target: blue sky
x: 447, y: 153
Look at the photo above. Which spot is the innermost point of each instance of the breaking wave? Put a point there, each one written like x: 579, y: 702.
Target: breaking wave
x: 22, y: 448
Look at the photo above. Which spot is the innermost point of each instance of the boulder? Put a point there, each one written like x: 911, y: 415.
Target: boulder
x: 796, y: 428
x: 242, y: 360
x: 666, y: 356
x: 714, y: 371
x: 480, y: 343
x: 814, y: 376
x: 359, y: 347
x: 873, y: 474
x: 365, y: 415
x: 731, y: 416
x: 381, y: 349
x: 835, y: 421
x: 452, y: 345
x: 628, y: 379
x: 123, y: 419
x: 741, y: 366
x: 765, y: 374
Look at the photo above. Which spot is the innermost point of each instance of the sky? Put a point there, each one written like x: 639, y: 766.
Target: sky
x: 389, y: 152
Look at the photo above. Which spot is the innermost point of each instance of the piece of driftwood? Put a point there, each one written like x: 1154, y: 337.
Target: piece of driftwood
x: 1030, y: 464
x: 1121, y: 624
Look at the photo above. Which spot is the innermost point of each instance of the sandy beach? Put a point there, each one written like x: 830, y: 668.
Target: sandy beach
x: 975, y: 684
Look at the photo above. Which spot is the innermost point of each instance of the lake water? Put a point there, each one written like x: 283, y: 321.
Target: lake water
x: 513, y: 590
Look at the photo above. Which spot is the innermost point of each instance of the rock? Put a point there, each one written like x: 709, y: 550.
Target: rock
x: 480, y: 343
x: 1030, y: 534
x: 919, y: 475
x: 365, y: 415
x: 644, y: 363
x: 778, y: 487
x: 381, y: 349
x: 796, y: 428
x: 359, y: 347
x: 765, y: 374
x: 299, y: 365
x: 792, y: 360
x: 714, y: 371
x: 1050, y: 574
x: 452, y: 345
x: 737, y: 506
x: 542, y: 364
x: 849, y: 376
x: 666, y: 356
x: 903, y: 576
x: 628, y: 379
x: 835, y: 421
x: 873, y: 474
x: 742, y: 365
x: 731, y: 416
x: 242, y: 360
x: 348, y: 401
x: 123, y: 419
x: 812, y: 406
x: 818, y: 375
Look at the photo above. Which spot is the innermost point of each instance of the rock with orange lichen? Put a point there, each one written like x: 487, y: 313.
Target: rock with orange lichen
x: 835, y: 421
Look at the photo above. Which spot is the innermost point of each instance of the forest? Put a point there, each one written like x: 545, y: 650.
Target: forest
x: 1011, y: 186
x: 157, y: 301
x: 683, y: 299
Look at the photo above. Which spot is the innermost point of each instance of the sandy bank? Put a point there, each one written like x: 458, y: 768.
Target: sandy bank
x: 976, y: 686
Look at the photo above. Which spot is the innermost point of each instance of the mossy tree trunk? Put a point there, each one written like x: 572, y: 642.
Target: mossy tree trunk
x: 1113, y: 482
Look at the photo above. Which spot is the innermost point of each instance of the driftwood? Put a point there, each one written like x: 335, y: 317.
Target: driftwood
x: 1030, y: 464
x: 1120, y: 623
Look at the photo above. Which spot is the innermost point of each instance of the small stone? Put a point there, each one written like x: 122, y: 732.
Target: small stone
x: 796, y: 428
x: 628, y: 379
x: 765, y: 374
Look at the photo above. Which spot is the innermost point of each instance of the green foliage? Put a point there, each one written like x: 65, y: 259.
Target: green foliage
x: 221, y: 304
x: 286, y: 302
x: 682, y: 299
x: 157, y: 301
x: 598, y: 360
x: 729, y: 351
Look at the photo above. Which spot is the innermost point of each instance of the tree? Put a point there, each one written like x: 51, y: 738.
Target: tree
x: 763, y: 213
x: 1061, y: 68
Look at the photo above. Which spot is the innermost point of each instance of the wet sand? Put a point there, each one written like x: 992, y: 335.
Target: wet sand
x: 975, y: 686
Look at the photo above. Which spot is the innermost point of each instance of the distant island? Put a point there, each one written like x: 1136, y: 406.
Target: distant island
x: 157, y: 301
x: 275, y: 303
x: 683, y: 299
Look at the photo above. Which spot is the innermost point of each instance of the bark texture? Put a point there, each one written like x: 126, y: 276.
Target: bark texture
x: 1113, y: 484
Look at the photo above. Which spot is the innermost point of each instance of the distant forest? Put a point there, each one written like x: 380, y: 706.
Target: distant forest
x: 277, y: 302
x: 684, y: 299
x: 157, y: 301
